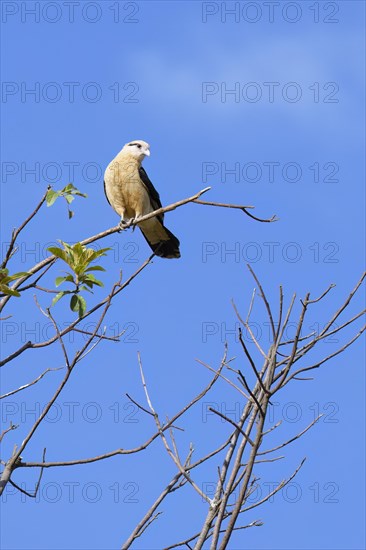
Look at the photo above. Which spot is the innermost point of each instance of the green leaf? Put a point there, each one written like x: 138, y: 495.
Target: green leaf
x: 90, y: 278
x: 82, y: 306
x: 9, y: 291
x: 19, y: 274
x: 68, y: 278
x: 5, y: 279
x: 15, y: 276
x: 59, y: 280
x: 57, y: 297
x: 94, y: 268
x: 86, y: 288
x: 58, y: 252
x: 78, y: 304
x: 68, y: 187
x: 74, y: 303
x: 78, y: 249
x: 52, y: 196
x: 69, y: 198
x: 94, y: 254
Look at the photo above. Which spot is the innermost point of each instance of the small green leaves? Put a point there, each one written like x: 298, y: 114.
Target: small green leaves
x: 78, y: 304
x: 59, y: 295
x: 60, y: 280
x: 5, y: 279
x: 52, y: 196
x: 78, y: 257
x: 68, y: 193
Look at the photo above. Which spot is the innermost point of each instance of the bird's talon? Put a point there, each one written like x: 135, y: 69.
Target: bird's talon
x: 122, y: 225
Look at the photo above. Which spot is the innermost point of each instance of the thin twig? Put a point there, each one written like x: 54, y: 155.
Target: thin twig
x: 246, y: 385
x: 236, y: 426
x: 264, y: 297
x: 278, y: 488
x: 11, y: 427
x: 21, y: 388
x: 251, y: 362
x: 242, y: 208
x: 139, y: 406
x: 292, y: 438
x: 16, y: 232
x: 223, y: 377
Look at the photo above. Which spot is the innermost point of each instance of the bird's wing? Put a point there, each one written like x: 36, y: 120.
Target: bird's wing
x: 105, y: 192
x: 153, y: 194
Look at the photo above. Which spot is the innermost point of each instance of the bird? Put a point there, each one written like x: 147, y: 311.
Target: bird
x: 131, y: 194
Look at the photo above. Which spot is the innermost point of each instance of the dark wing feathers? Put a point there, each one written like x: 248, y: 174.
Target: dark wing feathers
x: 153, y: 194
x: 164, y: 249
x: 168, y: 248
x: 105, y: 192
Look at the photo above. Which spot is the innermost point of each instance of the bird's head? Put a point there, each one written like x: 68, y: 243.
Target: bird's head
x: 138, y: 149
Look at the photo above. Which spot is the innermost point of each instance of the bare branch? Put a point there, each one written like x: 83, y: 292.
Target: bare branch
x: 243, y: 380
x: 287, y: 318
x: 4, y: 432
x: 279, y: 315
x: 264, y: 297
x: 242, y: 208
x: 236, y: 426
x: 294, y: 348
x: 59, y: 337
x: 251, y: 362
x: 340, y: 350
x: 138, y: 405
x: 223, y: 377
x: 247, y: 326
x: 21, y: 388
x: 31, y: 495
x: 278, y: 488
x: 332, y: 285
x: 16, y: 232
x: 166, y: 445
x: 345, y: 304
x: 260, y: 453
x: 250, y: 306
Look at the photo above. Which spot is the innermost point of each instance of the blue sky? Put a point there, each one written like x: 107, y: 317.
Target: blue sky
x: 163, y: 72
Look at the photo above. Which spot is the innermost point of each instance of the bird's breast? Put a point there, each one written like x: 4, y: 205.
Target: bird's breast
x: 124, y: 189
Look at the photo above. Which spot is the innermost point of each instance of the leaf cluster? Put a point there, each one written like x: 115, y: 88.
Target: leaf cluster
x: 5, y: 279
x: 68, y: 193
x: 78, y: 257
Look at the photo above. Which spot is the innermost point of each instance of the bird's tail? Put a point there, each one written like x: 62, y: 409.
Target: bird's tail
x: 167, y: 246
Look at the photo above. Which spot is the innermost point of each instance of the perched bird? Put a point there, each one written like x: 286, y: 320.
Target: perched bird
x: 131, y: 194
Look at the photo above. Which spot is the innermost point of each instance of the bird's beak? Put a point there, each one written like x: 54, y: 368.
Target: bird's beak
x: 147, y: 152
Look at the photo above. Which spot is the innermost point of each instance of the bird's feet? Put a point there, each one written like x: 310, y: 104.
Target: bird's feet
x: 134, y: 221
x: 123, y: 224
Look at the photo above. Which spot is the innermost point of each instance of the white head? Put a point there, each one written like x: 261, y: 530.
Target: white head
x: 138, y: 149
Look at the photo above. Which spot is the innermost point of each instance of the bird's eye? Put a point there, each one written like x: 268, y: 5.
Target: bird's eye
x: 139, y: 146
